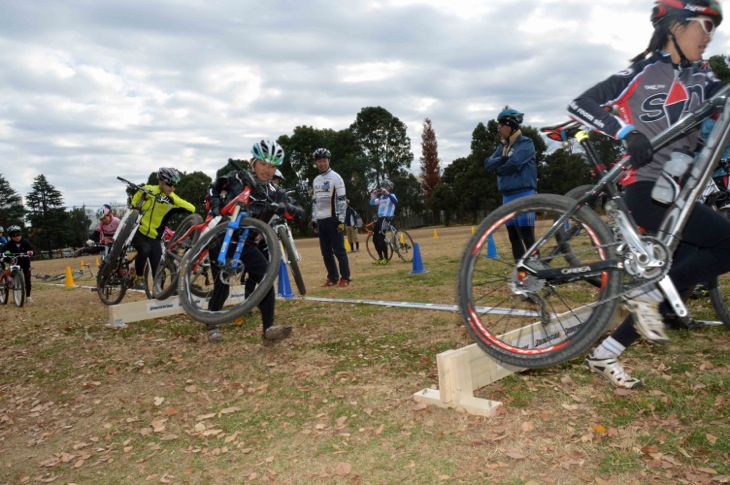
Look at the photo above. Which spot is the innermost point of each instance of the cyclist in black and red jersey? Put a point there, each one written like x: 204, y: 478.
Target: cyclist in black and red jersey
x: 664, y: 82
x: 267, y: 155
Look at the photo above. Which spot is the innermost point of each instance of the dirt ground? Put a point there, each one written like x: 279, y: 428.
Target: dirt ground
x: 155, y: 403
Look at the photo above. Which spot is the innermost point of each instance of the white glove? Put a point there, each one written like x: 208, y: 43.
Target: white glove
x: 90, y: 243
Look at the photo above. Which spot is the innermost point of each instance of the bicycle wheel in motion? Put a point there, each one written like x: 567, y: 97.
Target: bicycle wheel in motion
x: 165, y: 282
x: 370, y: 246
x: 291, y: 259
x: 18, y: 287
x: 402, y: 244
x: 231, y: 272
x: 110, y: 286
x: 719, y: 293
x: 519, y: 318
x: 4, y: 290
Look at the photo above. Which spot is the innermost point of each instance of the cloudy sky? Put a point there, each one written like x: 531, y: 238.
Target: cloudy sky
x: 94, y: 89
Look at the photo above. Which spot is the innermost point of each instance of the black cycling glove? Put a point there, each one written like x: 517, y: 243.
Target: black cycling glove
x: 639, y: 148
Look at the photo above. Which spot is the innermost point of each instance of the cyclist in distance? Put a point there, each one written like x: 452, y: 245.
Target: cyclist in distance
x: 385, y: 200
x: 19, y: 245
x: 147, y: 238
x: 662, y: 84
x: 329, y: 207
x: 515, y: 164
x: 3, y: 239
x: 267, y: 156
x: 104, y: 232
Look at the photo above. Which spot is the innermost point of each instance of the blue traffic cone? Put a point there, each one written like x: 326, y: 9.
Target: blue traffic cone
x: 491, y: 248
x: 417, y: 262
x: 284, y: 289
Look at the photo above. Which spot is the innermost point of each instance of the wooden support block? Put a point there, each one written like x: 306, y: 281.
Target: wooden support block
x: 464, y: 370
x: 120, y: 315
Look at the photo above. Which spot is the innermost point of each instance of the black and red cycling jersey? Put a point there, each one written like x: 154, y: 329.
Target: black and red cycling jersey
x: 649, y: 96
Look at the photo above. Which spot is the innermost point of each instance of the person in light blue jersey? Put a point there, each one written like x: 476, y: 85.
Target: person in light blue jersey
x: 385, y: 200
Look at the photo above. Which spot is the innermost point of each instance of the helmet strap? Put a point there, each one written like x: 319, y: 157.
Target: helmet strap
x: 683, y: 61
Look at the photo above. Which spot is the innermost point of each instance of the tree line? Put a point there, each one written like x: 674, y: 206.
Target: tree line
x: 375, y: 147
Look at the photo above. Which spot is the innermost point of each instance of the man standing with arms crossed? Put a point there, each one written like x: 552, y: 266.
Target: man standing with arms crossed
x: 328, y: 219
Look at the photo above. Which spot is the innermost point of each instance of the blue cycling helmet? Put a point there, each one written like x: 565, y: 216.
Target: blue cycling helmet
x: 269, y: 152
x: 510, y: 117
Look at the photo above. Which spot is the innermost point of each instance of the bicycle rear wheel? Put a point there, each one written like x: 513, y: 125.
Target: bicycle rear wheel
x: 18, y: 288
x: 231, y: 272
x: 165, y: 282
x: 291, y: 259
x: 521, y: 318
x: 720, y: 298
x: 402, y: 245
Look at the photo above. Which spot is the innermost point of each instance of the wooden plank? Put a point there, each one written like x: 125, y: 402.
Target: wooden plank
x: 123, y: 313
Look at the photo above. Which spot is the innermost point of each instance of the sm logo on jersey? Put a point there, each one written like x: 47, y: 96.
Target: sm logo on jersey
x: 671, y: 104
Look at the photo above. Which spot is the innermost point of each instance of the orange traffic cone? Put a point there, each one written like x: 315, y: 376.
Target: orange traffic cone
x: 69, y: 278
x: 435, y: 234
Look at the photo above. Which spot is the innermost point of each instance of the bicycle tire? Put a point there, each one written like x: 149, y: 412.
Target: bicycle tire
x: 148, y: 280
x: 499, y: 305
x: 402, y: 244
x: 291, y: 256
x: 4, y: 290
x: 720, y: 299
x: 201, y: 282
x: 370, y: 246
x: 576, y: 193
x: 18, y: 288
x: 211, y: 240
x: 110, y: 285
x: 165, y: 281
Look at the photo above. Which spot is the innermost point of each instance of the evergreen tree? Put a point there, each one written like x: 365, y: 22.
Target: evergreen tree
x: 48, y: 217
x: 430, y: 166
x: 383, y: 142
x: 11, y: 205
x: 79, y: 223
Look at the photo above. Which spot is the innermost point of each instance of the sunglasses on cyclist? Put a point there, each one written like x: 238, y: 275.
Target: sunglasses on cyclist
x: 169, y: 184
x: 707, y: 25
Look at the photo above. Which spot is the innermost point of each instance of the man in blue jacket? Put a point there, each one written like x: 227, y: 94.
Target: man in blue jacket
x: 515, y: 164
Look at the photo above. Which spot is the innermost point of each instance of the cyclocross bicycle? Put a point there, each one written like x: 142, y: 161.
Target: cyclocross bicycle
x: 12, y: 279
x: 556, y: 300
x: 397, y: 242
x: 116, y: 271
x: 223, y: 247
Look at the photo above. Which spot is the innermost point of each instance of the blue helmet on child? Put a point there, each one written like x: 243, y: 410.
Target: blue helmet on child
x: 103, y: 211
x: 510, y: 117
x: 269, y: 152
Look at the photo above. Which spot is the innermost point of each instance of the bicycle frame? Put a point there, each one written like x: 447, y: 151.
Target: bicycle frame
x: 677, y: 214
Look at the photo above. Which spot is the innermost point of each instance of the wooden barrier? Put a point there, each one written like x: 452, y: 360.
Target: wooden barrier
x: 464, y: 370
x: 120, y: 315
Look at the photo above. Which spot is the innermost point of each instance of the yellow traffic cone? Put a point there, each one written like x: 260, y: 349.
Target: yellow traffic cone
x: 82, y: 264
x: 69, y: 278
x: 97, y: 261
x: 435, y: 234
x: 347, y: 245
x: 472, y: 229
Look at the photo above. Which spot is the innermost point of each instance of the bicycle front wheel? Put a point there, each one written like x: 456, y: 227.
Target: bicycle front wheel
x: 370, y: 246
x: 231, y: 272
x: 524, y: 319
x: 291, y: 259
x: 110, y: 286
x: 18, y: 288
x: 165, y: 282
x: 402, y: 245
x: 4, y: 291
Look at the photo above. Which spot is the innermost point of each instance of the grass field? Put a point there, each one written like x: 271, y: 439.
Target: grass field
x: 155, y: 403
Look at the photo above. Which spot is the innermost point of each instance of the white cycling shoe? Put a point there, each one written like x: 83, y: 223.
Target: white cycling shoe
x: 644, y: 307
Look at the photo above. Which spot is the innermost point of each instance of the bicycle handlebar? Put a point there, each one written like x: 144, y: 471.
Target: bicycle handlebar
x: 157, y: 197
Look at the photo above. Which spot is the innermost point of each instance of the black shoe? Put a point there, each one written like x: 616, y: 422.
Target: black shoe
x: 275, y: 334
x: 678, y: 323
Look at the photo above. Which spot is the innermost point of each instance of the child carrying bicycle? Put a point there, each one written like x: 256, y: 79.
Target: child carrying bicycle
x: 19, y: 245
x: 385, y: 200
x: 267, y: 156
x: 147, y: 238
x: 664, y: 82
x: 103, y: 234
